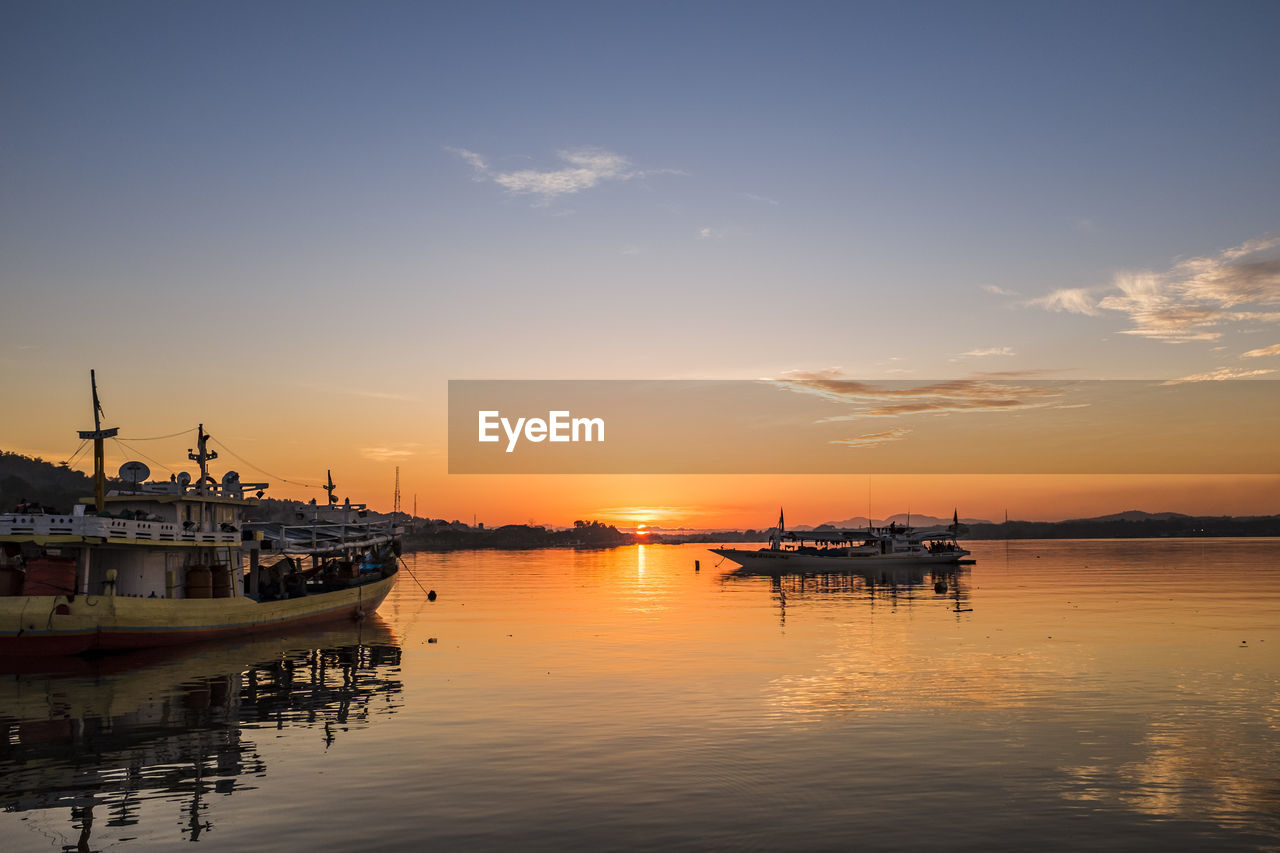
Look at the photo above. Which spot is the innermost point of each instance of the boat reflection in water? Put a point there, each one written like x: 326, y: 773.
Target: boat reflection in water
x: 101, y: 737
x: 895, y: 585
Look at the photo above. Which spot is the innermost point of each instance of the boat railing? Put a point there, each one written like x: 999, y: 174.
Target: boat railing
x: 320, y: 536
x: 110, y: 529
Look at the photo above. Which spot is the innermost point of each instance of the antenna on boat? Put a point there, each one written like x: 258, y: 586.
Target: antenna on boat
x: 202, y: 456
x: 98, y: 434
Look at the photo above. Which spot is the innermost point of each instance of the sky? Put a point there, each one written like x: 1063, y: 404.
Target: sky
x: 295, y: 222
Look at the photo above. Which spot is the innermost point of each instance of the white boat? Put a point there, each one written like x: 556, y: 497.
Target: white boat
x: 159, y: 563
x: 834, y: 549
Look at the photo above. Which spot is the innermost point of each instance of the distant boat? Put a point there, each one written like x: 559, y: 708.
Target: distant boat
x: 834, y: 549
x: 161, y: 563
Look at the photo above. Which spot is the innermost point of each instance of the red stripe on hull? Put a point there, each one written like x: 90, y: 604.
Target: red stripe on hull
x: 47, y: 646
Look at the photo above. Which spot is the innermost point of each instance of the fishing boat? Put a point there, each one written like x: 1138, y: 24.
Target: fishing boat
x: 179, y: 561
x: 836, y: 549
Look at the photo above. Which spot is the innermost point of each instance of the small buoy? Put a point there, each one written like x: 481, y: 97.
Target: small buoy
x: 431, y: 596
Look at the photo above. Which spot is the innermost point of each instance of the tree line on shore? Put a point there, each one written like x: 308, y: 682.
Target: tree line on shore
x: 33, y: 482
x: 1122, y: 528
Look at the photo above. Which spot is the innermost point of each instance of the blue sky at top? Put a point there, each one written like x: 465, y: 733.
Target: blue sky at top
x: 768, y: 186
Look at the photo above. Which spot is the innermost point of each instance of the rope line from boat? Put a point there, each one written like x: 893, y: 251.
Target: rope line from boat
x: 412, y: 575
x: 79, y: 450
x: 262, y: 470
x: 159, y: 437
x: 135, y: 452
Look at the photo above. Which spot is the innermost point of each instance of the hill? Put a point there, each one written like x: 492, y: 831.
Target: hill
x: 27, y: 479
x: 1131, y: 525
x: 1133, y: 515
x: 918, y: 520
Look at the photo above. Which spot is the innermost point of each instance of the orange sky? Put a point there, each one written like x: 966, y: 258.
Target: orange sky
x: 753, y: 501
x: 297, y: 437
x: 716, y: 500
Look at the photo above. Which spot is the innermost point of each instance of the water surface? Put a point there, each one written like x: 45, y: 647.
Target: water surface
x: 1114, y: 695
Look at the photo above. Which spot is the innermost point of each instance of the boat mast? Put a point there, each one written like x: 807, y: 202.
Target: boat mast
x: 98, y: 434
x: 202, y: 457
x: 330, y: 487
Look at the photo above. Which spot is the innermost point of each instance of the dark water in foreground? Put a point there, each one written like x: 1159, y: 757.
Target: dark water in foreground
x: 1102, y: 695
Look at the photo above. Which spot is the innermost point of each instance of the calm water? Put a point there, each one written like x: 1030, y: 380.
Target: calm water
x: 1111, y: 695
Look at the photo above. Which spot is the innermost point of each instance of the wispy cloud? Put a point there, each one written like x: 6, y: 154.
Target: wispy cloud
x: 711, y: 233
x: 475, y: 160
x: 387, y: 454
x: 983, y: 353
x: 874, y: 439
x: 582, y: 169
x: 1074, y: 300
x: 1159, y: 311
x: 1191, y: 301
x: 996, y: 290
x: 868, y: 400
x: 1221, y: 374
x: 759, y: 198
x: 1274, y: 349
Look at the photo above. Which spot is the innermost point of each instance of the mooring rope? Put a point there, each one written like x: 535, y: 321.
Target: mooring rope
x: 412, y: 575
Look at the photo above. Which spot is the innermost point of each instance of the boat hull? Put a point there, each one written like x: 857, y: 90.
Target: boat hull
x: 70, y: 625
x: 780, y: 562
